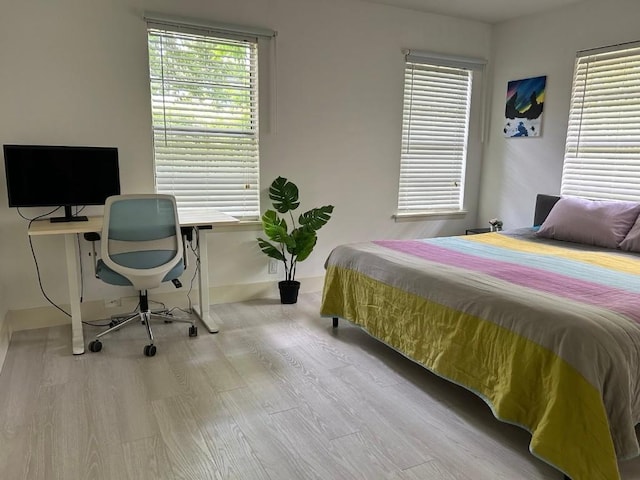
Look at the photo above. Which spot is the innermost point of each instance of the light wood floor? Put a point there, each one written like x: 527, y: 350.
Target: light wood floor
x: 277, y: 394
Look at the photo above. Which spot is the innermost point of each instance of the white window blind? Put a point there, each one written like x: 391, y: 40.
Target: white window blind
x: 602, y: 156
x: 204, y: 95
x: 435, y: 125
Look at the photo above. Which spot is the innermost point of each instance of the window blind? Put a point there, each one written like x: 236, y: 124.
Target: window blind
x: 602, y: 156
x: 435, y: 126
x: 204, y: 96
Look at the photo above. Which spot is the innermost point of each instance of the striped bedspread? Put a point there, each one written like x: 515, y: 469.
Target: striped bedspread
x: 547, y: 333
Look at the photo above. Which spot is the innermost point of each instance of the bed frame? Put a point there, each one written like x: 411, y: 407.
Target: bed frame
x: 544, y: 204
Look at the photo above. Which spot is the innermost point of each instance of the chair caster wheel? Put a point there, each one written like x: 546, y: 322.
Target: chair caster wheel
x: 95, y: 346
x: 149, y: 350
x: 193, y: 331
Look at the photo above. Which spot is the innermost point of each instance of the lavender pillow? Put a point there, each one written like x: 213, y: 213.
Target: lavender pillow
x: 592, y: 222
x: 631, y: 242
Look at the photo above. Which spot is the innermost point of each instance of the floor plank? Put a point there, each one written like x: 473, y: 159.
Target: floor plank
x: 147, y: 459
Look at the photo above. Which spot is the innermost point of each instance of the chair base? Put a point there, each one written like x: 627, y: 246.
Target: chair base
x: 145, y: 315
x: 118, y: 318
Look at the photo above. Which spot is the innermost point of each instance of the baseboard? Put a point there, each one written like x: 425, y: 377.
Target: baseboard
x: 40, y: 317
x: 253, y: 291
x: 5, y: 337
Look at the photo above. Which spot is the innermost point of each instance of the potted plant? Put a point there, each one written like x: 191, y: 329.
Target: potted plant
x: 294, y: 242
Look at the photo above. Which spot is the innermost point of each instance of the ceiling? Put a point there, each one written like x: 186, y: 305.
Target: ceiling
x: 489, y: 11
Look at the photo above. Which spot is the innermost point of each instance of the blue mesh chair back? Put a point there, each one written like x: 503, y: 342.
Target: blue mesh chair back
x: 141, y: 242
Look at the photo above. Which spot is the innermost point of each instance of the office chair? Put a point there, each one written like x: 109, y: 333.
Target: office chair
x: 142, y: 247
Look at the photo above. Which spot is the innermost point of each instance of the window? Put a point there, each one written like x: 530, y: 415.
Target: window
x: 435, y: 125
x: 204, y: 96
x: 602, y: 156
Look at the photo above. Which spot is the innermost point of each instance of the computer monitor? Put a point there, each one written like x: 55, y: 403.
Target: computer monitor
x: 60, y: 176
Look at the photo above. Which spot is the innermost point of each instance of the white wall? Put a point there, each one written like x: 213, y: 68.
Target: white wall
x: 514, y: 170
x: 75, y: 72
x: 5, y: 333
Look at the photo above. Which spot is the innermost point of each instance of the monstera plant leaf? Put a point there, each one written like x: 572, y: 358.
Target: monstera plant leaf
x: 270, y: 250
x: 284, y: 195
x: 275, y: 227
x: 317, y: 217
x: 305, y: 239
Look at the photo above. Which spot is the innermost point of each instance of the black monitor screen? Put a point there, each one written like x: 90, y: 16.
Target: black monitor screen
x: 45, y: 176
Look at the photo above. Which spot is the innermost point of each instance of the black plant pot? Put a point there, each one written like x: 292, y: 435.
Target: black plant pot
x: 289, y: 291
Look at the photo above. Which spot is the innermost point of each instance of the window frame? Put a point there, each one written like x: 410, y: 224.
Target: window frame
x: 602, y: 155
x: 446, y: 65
x: 236, y: 160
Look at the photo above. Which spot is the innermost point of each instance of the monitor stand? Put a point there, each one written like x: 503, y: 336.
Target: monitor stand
x: 69, y: 217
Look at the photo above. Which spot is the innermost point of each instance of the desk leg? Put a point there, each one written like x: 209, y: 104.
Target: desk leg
x: 202, y: 309
x: 77, y: 339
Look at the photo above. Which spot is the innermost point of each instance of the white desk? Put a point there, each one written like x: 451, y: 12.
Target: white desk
x: 202, y: 221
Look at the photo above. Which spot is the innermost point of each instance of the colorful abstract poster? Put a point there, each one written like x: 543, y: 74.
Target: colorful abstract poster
x: 523, y: 110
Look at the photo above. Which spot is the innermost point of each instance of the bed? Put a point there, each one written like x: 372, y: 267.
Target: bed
x: 546, y: 331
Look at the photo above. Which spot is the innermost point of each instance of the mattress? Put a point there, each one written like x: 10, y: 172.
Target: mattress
x: 546, y: 332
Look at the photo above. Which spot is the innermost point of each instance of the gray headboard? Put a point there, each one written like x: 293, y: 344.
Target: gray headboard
x: 544, y: 204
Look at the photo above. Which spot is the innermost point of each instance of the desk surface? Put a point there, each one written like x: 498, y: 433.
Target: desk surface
x: 45, y: 227
x: 199, y: 217
x: 188, y: 218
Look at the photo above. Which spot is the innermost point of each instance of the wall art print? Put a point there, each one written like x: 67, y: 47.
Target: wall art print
x: 523, y: 110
